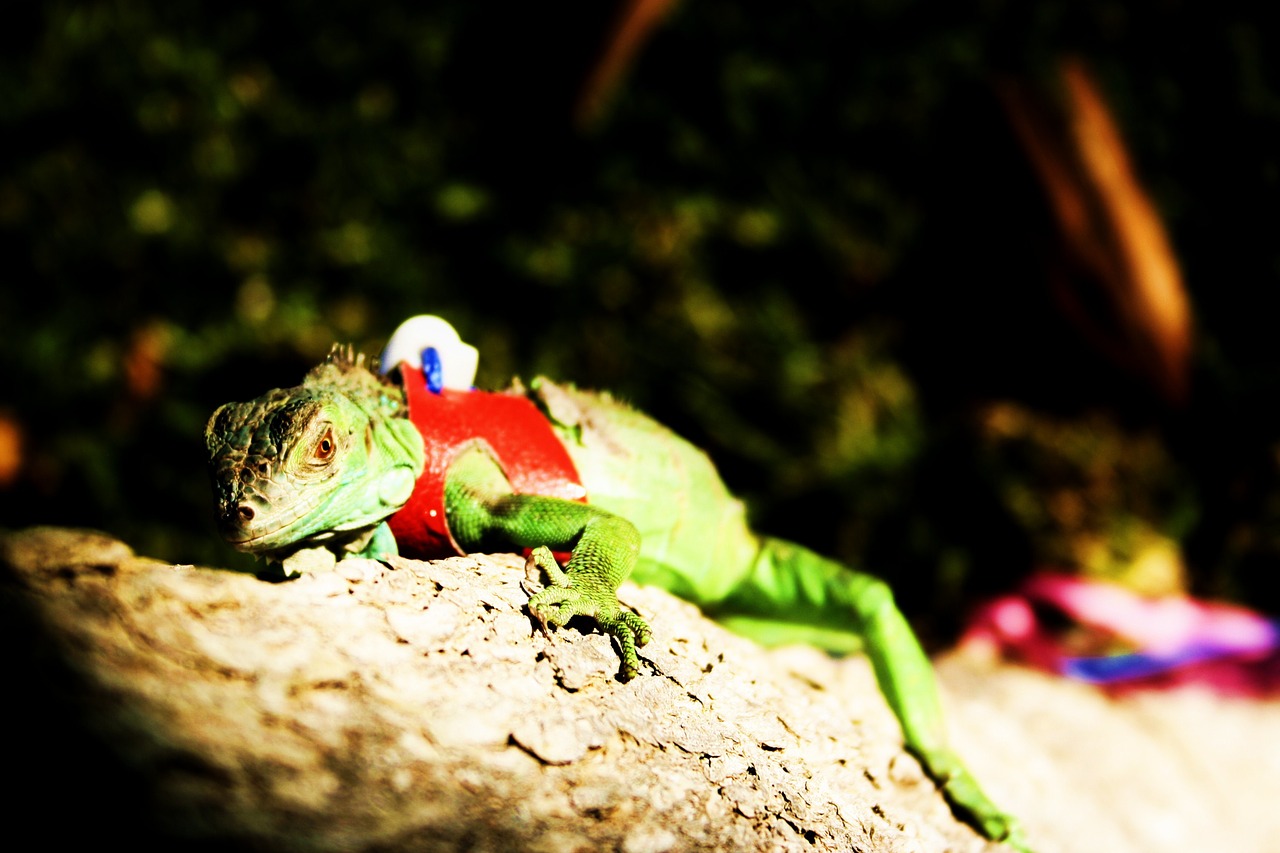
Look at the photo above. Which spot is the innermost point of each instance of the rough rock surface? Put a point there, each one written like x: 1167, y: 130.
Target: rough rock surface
x: 415, y: 706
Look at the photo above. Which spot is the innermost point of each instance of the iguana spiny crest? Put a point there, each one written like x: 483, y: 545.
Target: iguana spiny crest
x: 319, y: 464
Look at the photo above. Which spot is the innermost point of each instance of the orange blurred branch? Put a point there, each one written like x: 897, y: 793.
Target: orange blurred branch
x: 633, y: 27
x: 1109, y: 226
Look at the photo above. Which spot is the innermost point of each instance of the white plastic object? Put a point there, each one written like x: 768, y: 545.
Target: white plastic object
x: 458, y: 360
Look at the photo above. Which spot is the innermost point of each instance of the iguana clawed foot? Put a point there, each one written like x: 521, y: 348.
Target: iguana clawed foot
x: 561, y: 601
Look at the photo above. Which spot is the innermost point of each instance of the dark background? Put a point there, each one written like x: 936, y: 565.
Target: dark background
x: 802, y: 234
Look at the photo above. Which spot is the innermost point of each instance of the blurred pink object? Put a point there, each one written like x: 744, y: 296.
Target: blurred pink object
x: 1104, y: 634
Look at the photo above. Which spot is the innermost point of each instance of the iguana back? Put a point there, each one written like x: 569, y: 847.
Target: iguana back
x: 695, y: 540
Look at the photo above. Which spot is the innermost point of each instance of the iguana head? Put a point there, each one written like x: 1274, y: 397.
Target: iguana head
x: 320, y: 464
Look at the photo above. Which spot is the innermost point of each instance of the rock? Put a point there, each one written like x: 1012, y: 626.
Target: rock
x: 416, y: 706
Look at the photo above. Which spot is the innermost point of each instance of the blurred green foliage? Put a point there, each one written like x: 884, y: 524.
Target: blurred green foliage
x: 803, y: 235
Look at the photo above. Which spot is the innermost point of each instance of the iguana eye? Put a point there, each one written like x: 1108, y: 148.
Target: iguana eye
x: 324, y: 447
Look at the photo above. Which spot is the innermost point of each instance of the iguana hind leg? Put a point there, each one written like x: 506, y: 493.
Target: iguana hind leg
x: 824, y: 600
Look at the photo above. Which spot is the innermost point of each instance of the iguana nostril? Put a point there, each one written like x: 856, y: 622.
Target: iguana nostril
x: 245, y: 512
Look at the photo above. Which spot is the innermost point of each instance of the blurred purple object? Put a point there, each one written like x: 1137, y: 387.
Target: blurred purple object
x: 1058, y: 622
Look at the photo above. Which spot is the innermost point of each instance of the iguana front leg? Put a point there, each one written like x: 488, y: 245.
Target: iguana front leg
x: 484, y: 515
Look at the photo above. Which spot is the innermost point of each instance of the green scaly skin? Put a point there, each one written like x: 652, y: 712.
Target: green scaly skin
x: 317, y: 468
x: 485, y: 516
x: 284, y: 493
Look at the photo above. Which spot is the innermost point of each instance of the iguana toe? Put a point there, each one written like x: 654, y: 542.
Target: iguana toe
x: 630, y: 631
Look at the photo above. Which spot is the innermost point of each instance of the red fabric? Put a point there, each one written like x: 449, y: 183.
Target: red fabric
x: 517, y: 436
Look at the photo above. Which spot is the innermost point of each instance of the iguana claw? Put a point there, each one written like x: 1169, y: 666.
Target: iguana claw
x: 561, y: 601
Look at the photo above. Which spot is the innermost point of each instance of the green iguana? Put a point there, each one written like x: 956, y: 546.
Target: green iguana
x: 338, y: 467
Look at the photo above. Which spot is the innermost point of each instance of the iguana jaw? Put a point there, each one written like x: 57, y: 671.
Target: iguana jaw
x: 308, y: 466
x: 287, y: 531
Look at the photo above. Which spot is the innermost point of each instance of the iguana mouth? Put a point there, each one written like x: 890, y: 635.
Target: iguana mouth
x: 250, y: 543
x: 289, y: 534
x: 243, y: 544
x: 236, y: 518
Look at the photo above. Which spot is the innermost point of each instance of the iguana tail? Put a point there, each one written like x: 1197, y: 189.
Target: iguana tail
x: 832, y: 606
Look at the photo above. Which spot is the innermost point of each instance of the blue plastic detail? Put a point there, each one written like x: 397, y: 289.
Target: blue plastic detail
x: 1102, y: 670
x: 1105, y: 670
x: 433, y: 370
